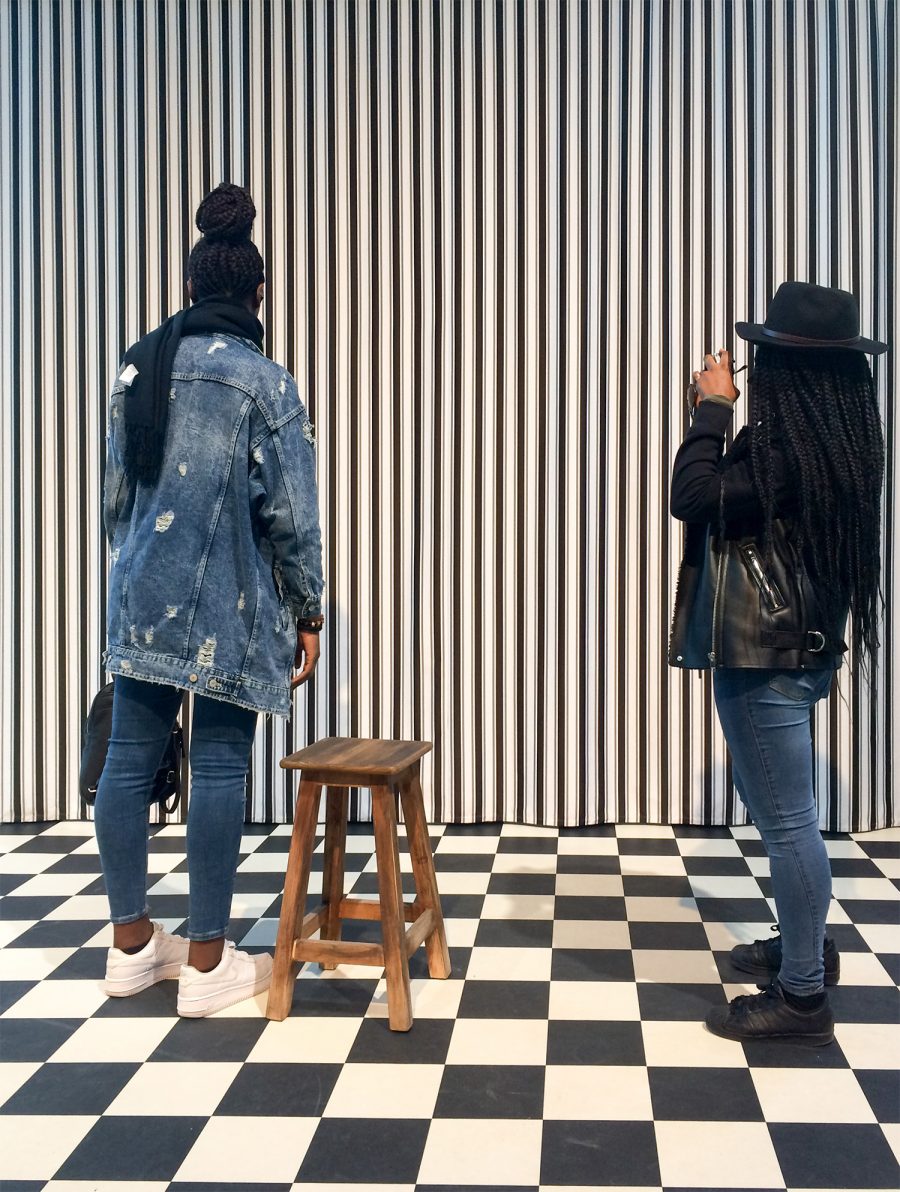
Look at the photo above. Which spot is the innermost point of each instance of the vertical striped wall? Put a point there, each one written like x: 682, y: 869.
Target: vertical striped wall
x: 499, y: 236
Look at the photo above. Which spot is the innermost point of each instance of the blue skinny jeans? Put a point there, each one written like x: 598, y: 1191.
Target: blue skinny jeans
x: 221, y: 740
x: 765, y: 716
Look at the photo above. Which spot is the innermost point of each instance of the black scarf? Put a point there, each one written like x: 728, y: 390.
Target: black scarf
x: 147, y: 397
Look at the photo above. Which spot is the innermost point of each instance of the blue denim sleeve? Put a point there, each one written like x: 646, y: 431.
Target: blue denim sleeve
x: 285, y: 504
x: 115, y: 484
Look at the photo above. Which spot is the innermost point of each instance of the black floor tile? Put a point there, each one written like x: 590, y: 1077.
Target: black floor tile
x: 491, y: 1091
x: 461, y: 906
x: 865, y: 1003
x: 12, y: 881
x: 449, y: 862
x: 87, y: 964
x: 59, y: 933
x: 80, y: 863
x: 594, y: 1154
x: 872, y: 910
x: 854, y: 867
x: 716, y: 867
x: 698, y: 832
x: 11, y: 991
x: 280, y: 1090
x: 167, y: 844
x: 332, y: 996
x: 159, y: 1001
x: 648, y: 846
x: 52, y: 844
x: 545, y: 845
x: 259, y: 882
x: 882, y: 1089
x: 663, y: 936
x: 600, y: 908
x: 704, y: 1095
x: 780, y: 1053
x: 734, y: 910
x: 459, y: 964
x: 586, y: 863
x: 595, y: 1043
x: 522, y: 883
x: 128, y: 1148
x: 514, y: 933
x: 426, y: 1043
x: 29, y: 906
x: 367, y: 885
x: 834, y: 1156
x: 505, y: 999
x: 345, y: 1150
x: 71, y: 1089
x: 752, y: 847
x: 601, y: 831
x: 883, y: 849
x: 890, y: 962
x: 847, y: 938
x: 592, y: 964
x: 222, y: 1040
x: 678, y: 1002
x: 33, y: 1040
x: 644, y: 886
x: 491, y: 829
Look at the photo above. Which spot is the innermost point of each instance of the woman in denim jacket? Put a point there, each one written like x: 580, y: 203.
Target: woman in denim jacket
x: 211, y: 515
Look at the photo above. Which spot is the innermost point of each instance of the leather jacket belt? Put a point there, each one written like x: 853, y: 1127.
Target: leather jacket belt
x: 811, y: 642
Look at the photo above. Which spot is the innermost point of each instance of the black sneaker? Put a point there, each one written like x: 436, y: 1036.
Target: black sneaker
x: 767, y: 1015
x: 763, y: 959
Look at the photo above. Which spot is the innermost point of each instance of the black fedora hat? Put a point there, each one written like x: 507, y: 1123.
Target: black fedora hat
x: 802, y: 315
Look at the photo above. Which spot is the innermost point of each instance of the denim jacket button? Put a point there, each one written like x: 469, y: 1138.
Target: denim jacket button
x: 192, y: 678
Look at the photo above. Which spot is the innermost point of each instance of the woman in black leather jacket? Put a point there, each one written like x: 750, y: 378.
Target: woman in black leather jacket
x: 782, y: 543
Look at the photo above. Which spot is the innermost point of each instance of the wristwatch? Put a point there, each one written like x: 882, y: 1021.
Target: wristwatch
x: 311, y: 624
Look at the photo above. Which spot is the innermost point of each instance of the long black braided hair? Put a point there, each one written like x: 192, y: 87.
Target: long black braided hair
x: 225, y: 261
x: 821, y: 407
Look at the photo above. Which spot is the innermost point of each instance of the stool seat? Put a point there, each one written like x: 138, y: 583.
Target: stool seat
x: 361, y: 756
x: 391, y: 769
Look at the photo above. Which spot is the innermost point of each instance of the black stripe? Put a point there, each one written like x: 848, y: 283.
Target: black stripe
x: 481, y: 619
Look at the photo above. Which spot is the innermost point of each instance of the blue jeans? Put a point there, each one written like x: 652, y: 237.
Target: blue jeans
x: 765, y: 715
x: 221, y: 740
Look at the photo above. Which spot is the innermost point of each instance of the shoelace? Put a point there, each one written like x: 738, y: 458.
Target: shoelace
x: 748, y: 1003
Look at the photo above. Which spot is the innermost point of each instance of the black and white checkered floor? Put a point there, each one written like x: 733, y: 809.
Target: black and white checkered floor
x: 566, y: 1051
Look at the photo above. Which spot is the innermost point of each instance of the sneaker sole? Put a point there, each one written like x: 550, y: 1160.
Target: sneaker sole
x: 128, y: 986
x: 767, y: 974
x: 228, y: 997
x: 821, y: 1040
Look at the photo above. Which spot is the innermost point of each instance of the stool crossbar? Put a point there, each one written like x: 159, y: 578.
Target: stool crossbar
x: 391, y: 770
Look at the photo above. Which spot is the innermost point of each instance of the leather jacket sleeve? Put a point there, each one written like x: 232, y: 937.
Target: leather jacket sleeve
x: 700, y: 466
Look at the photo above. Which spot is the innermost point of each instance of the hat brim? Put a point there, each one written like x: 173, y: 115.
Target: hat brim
x: 758, y: 333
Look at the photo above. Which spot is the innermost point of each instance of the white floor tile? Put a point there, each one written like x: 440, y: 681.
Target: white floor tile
x: 31, y: 964
x: 758, y: 866
x: 889, y: 866
x: 531, y: 864
x: 461, y: 933
x: 114, y: 1040
x: 881, y: 937
x: 595, y: 1001
x: 891, y: 1132
x: 172, y: 830
x: 510, y: 964
x: 253, y: 1150
x: 164, y: 863
x: 529, y: 830
x: 675, y: 965
x: 876, y: 888
x: 90, y: 848
x: 190, y: 1090
x: 13, y: 1076
x: 744, y: 832
x: 106, y: 1186
x: 498, y: 1041
x: 880, y: 834
x: 587, y: 846
x: 723, y: 936
x: 836, y: 913
x: 385, y: 1091
x: 81, y: 906
x: 644, y: 831
x: 846, y: 849
x: 9, y: 841
x: 305, y: 1041
x: 35, y: 1147
x: 250, y: 1007
x: 810, y: 1095
x: 263, y: 863
x: 431, y: 998
x: 253, y: 906
x: 467, y: 844
x: 482, y: 1152
x: 590, y: 933
x: 862, y: 968
x: 869, y: 1044
x: 518, y: 906
x: 638, y: 865
x: 696, y: 846
x: 725, y: 887
x: 59, y: 999
x: 249, y: 844
x: 11, y: 929
x: 575, y: 1092
x: 661, y: 910
x: 55, y: 885
x: 718, y: 1155
x: 359, y: 844
x: 589, y: 885
x: 172, y: 883
x: 463, y: 883
x: 688, y: 1045
x: 28, y: 862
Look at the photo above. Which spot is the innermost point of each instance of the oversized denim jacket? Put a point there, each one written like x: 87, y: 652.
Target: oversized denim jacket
x: 212, y: 565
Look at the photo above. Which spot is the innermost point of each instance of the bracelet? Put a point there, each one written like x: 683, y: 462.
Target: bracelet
x: 311, y: 625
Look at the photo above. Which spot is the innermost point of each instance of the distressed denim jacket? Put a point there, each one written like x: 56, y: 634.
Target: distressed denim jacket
x: 212, y: 565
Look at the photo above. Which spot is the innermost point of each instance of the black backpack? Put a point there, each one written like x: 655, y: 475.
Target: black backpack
x: 95, y: 742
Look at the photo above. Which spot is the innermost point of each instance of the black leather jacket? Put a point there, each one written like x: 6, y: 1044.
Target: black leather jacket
x: 732, y: 608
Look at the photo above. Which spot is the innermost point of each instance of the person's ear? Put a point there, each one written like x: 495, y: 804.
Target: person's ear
x: 190, y: 290
x: 260, y: 294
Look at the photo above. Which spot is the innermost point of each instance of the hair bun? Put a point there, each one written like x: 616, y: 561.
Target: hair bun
x: 227, y: 213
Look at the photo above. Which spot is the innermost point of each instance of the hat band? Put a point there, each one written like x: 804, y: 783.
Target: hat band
x: 816, y: 343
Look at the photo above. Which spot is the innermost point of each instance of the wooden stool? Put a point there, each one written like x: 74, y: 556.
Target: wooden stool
x: 389, y: 768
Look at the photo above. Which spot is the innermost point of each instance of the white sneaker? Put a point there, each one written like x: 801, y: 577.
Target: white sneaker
x: 237, y: 976
x: 159, y: 960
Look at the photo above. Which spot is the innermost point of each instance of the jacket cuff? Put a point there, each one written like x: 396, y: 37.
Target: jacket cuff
x: 714, y: 413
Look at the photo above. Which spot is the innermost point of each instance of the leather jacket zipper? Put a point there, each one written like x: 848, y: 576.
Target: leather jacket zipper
x: 767, y: 586
x: 720, y: 577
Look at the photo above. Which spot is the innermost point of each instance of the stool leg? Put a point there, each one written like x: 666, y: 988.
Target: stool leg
x: 393, y: 923
x: 337, y: 802
x: 423, y: 868
x: 293, y: 905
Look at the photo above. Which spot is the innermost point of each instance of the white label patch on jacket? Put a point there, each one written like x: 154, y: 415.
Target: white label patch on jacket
x: 127, y: 375
x: 215, y: 347
x: 164, y: 521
